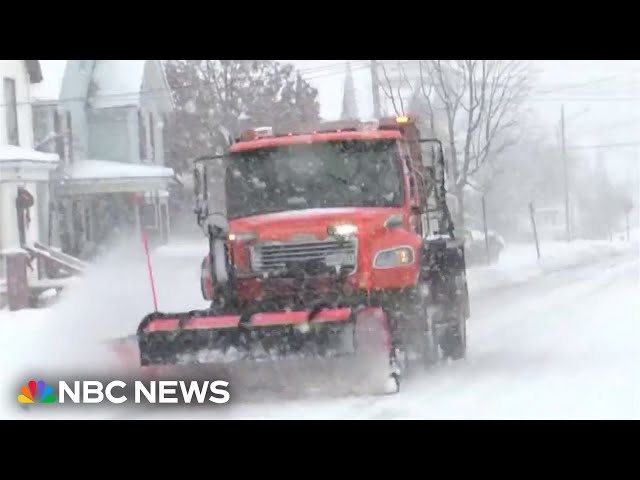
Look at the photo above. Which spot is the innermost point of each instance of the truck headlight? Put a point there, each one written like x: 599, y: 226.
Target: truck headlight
x: 393, y: 257
x: 342, y: 230
x: 243, y: 236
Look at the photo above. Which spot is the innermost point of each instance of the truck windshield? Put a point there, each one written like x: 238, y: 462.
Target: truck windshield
x: 322, y: 175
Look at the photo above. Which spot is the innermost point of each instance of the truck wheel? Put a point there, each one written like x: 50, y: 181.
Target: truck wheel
x: 220, y: 263
x: 419, y: 335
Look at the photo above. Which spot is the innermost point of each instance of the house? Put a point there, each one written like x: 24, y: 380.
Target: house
x: 105, y: 119
x: 24, y: 174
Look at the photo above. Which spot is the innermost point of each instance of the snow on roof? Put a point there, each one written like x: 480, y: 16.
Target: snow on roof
x: 105, y: 169
x: 118, y: 82
x: 50, y: 87
x: 11, y: 153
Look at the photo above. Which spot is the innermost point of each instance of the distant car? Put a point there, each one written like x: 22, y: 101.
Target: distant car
x: 476, y: 249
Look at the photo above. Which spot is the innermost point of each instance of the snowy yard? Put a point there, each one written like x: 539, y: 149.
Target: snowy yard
x: 519, y: 263
x: 532, y: 322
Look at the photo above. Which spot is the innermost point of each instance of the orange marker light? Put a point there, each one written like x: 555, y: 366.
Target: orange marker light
x: 402, y: 119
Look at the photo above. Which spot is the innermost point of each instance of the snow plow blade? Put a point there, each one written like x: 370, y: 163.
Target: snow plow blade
x: 207, y: 337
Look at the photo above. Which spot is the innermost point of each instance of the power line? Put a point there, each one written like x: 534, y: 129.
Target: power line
x: 544, y: 90
x: 585, y: 99
x: 354, y: 68
x: 324, y: 71
x: 608, y: 145
x: 611, y: 126
x: 588, y: 83
x: 330, y: 67
x: 160, y: 92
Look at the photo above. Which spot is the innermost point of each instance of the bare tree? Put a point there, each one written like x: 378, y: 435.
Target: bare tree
x: 474, y: 104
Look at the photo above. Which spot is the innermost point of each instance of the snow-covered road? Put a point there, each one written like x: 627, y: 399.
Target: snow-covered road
x: 564, y: 346
x: 560, y: 344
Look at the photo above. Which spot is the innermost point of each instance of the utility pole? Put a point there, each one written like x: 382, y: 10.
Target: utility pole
x: 566, y: 175
x: 627, y: 219
x: 535, y: 231
x: 374, y: 88
x: 635, y: 197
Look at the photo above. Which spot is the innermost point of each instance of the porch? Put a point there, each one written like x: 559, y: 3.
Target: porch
x: 24, y: 179
x: 99, y: 202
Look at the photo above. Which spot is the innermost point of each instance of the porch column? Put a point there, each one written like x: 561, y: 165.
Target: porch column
x: 136, y: 214
x: 13, y: 255
x: 9, y: 236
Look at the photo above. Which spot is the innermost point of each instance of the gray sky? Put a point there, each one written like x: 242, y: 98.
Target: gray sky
x: 598, y: 97
x: 601, y: 99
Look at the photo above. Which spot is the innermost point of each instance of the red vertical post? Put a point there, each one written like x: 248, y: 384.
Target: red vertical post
x: 145, y: 241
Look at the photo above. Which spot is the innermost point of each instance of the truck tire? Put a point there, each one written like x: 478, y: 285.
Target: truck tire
x: 454, y: 339
x: 220, y: 262
x: 417, y: 324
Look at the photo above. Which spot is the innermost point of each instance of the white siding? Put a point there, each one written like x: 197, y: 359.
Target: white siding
x: 27, y: 175
x: 17, y: 70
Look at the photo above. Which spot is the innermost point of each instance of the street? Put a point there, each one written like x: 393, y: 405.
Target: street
x: 559, y: 345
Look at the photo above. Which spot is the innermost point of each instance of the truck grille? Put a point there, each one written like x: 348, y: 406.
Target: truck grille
x: 276, y: 257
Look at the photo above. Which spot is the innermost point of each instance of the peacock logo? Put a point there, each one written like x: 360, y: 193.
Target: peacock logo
x: 38, y: 392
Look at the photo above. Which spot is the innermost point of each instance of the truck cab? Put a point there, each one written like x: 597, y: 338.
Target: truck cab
x: 342, y: 215
x: 344, y: 209
x: 333, y: 240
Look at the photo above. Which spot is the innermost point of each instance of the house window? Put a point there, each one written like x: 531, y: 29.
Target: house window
x: 165, y: 137
x: 11, y: 111
x: 57, y: 129
x: 152, y: 153
x: 142, y: 137
x: 69, y: 135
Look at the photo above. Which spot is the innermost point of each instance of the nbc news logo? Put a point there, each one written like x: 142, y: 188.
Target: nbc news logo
x: 118, y: 392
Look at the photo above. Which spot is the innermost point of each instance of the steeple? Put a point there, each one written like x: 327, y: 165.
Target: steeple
x: 349, y: 104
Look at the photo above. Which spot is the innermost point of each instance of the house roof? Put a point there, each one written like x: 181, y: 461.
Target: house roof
x: 104, y: 176
x: 118, y: 83
x: 165, y: 80
x: 50, y: 87
x: 110, y: 170
x: 11, y: 153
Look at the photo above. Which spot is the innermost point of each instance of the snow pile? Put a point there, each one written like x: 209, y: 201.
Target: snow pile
x: 109, y: 303
x: 519, y: 263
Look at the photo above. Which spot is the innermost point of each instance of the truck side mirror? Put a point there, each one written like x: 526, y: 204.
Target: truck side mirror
x: 394, y: 221
x: 196, y: 182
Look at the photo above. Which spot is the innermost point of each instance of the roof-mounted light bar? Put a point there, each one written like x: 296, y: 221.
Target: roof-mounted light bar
x: 384, y: 123
x: 395, y: 122
x: 256, y: 133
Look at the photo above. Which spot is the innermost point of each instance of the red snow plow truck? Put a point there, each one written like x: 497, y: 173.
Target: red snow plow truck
x: 333, y: 242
